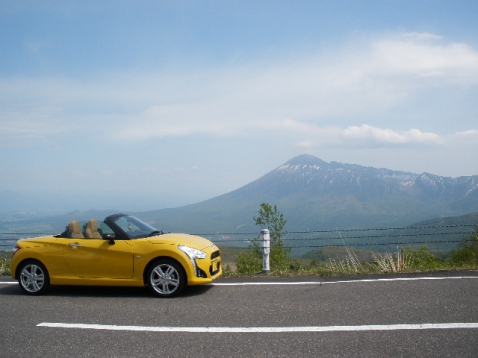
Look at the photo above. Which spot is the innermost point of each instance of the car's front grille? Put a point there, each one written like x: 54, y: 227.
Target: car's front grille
x: 215, y: 263
x: 217, y: 269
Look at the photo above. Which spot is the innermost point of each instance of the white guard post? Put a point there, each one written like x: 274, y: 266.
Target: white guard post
x: 266, y: 250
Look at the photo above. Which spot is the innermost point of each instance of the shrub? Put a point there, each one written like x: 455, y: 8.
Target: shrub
x: 421, y: 259
x: 250, y: 261
x: 467, y: 251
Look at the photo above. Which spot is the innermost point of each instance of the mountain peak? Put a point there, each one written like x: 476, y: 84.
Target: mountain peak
x: 306, y: 159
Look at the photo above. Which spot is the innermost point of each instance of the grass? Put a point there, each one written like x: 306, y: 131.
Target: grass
x: 5, y: 261
x: 345, y: 261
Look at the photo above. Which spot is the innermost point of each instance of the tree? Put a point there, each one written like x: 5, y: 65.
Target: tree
x: 270, y: 218
x: 251, y: 261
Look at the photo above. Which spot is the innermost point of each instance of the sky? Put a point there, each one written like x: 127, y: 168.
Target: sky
x: 145, y: 105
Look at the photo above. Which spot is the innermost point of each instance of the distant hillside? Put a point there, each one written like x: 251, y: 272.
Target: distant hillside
x: 314, y: 195
x: 439, y: 235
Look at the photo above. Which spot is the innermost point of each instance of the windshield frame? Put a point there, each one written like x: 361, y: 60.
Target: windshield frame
x: 144, y: 229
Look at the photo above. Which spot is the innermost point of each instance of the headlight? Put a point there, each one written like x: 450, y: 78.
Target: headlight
x: 192, y: 253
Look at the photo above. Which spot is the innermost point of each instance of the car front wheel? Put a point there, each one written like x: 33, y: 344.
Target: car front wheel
x: 166, y: 278
x: 33, y: 278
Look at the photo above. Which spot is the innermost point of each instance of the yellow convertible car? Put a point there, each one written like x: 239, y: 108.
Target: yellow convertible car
x: 120, y: 251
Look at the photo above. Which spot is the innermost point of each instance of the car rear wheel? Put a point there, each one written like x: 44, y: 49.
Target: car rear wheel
x: 166, y: 278
x: 33, y: 278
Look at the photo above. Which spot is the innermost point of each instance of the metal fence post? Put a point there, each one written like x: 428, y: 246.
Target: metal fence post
x: 266, y: 250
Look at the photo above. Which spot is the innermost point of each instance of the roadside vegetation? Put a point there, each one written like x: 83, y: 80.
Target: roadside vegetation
x: 342, y: 259
x: 5, y: 260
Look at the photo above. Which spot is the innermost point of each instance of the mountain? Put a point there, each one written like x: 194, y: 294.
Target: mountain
x: 316, y: 195
x: 438, y: 234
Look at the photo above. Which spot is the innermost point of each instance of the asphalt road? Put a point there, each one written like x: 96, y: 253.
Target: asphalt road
x: 333, y: 317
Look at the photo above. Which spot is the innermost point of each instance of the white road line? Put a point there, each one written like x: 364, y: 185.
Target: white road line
x: 260, y: 283
x: 349, y: 281
x: 391, y: 327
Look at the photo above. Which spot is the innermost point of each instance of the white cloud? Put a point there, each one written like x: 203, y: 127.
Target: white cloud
x: 470, y: 137
x: 420, y: 36
x: 471, y: 132
x: 361, y: 81
x: 426, y: 55
x: 17, y: 130
x: 307, y: 144
x: 295, y: 96
x: 366, y: 133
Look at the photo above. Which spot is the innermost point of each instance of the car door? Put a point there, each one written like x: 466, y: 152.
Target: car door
x: 98, y: 258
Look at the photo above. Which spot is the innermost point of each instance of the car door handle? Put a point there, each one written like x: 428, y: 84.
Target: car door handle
x: 74, y: 245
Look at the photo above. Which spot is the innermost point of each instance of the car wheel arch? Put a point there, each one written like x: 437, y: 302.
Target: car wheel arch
x: 20, y: 264
x: 155, y: 259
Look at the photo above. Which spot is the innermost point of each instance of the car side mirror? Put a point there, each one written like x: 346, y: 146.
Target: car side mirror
x: 110, y: 237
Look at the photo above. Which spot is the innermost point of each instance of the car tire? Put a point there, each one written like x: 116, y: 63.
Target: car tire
x: 33, y: 277
x: 165, y: 278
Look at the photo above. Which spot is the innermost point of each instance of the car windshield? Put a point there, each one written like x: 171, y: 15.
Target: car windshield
x: 133, y: 227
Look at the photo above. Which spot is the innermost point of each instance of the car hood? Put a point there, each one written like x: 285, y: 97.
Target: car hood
x: 193, y: 241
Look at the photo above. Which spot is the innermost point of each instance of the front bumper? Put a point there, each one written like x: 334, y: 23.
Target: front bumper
x: 207, y: 269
